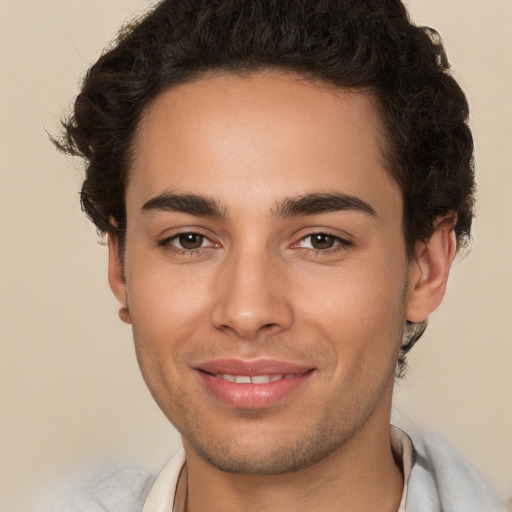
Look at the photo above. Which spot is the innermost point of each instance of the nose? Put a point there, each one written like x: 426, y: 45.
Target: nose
x: 251, y: 296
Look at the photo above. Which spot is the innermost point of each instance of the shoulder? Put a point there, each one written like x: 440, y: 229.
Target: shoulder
x: 444, y: 480
x: 107, y: 487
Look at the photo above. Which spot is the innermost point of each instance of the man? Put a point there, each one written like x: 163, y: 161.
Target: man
x: 284, y: 186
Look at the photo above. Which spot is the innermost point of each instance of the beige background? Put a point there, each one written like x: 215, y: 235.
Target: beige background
x: 70, y: 389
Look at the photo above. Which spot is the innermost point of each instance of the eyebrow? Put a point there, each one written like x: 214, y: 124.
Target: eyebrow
x: 184, y: 203
x: 309, y: 204
x: 314, y: 204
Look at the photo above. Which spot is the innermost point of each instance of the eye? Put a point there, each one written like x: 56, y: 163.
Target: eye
x: 321, y: 242
x: 189, y: 241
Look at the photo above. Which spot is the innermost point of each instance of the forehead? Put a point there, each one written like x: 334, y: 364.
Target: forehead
x: 259, y: 137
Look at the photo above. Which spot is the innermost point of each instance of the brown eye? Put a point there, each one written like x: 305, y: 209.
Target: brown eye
x: 190, y: 241
x: 321, y: 241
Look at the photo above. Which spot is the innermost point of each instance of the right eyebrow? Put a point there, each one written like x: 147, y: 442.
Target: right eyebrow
x: 184, y: 203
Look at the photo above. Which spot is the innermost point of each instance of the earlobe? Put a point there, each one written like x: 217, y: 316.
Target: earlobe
x: 116, y: 278
x: 429, y: 271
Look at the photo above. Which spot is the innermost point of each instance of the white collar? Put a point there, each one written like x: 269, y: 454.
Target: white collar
x: 161, y: 495
x: 403, y: 450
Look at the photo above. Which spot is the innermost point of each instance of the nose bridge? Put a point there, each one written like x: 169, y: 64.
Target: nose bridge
x: 251, y: 298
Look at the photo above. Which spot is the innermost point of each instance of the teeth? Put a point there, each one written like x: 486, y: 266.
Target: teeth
x: 260, y: 379
x: 255, y: 379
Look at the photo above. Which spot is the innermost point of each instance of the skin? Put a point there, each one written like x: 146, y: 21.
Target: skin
x: 259, y: 286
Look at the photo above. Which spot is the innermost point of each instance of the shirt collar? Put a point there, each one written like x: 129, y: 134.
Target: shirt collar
x: 403, y: 450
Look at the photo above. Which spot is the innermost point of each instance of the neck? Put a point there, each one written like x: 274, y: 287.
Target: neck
x: 360, y: 475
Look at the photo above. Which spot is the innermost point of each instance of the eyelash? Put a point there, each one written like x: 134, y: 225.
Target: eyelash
x: 340, y: 244
x: 167, y: 246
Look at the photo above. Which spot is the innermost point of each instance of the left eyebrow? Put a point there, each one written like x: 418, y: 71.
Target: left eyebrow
x: 314, y: 204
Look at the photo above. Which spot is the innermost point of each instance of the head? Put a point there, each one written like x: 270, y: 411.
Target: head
x: 361, y: 64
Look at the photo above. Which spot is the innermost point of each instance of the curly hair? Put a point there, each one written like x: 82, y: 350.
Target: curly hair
x: 366, y: 45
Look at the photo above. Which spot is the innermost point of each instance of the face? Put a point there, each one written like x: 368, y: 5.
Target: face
x: 265, y: 266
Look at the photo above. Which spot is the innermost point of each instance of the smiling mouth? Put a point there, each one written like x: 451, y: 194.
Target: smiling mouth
x: 255, y: 379
x: 252, y: 389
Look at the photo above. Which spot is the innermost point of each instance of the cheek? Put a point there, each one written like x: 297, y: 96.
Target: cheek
x: 360, y: 294
x: 167, y: 307
x: 360, y: 309
x: 167, y: 299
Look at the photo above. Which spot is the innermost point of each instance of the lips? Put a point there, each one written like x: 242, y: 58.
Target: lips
x: 253, y: 379
x: 252, y: 384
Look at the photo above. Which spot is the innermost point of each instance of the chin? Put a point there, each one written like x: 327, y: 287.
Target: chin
x: 270, y: 455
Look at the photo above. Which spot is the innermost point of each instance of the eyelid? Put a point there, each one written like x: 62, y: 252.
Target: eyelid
x: 166, y: 240
x: 177, y: 236
x: 341, y: 235
x: 338, y: 240
x: 341, y: 242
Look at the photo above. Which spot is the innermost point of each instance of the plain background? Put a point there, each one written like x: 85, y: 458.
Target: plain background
x: 70, y: 388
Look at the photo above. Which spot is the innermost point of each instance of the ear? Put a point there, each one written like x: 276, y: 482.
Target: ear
x: 428, y: 272
x: 116, y: 278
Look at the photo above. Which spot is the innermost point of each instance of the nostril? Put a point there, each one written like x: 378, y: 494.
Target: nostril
x: 247, y: 312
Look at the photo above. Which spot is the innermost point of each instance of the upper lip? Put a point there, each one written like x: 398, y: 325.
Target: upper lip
x: 252, y: 367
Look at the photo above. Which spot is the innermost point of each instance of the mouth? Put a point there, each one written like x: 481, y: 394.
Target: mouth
x: 252, y: 384
x: 254, y: 379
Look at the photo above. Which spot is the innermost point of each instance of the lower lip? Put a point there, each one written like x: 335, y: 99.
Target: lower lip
x: 252, y: 396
